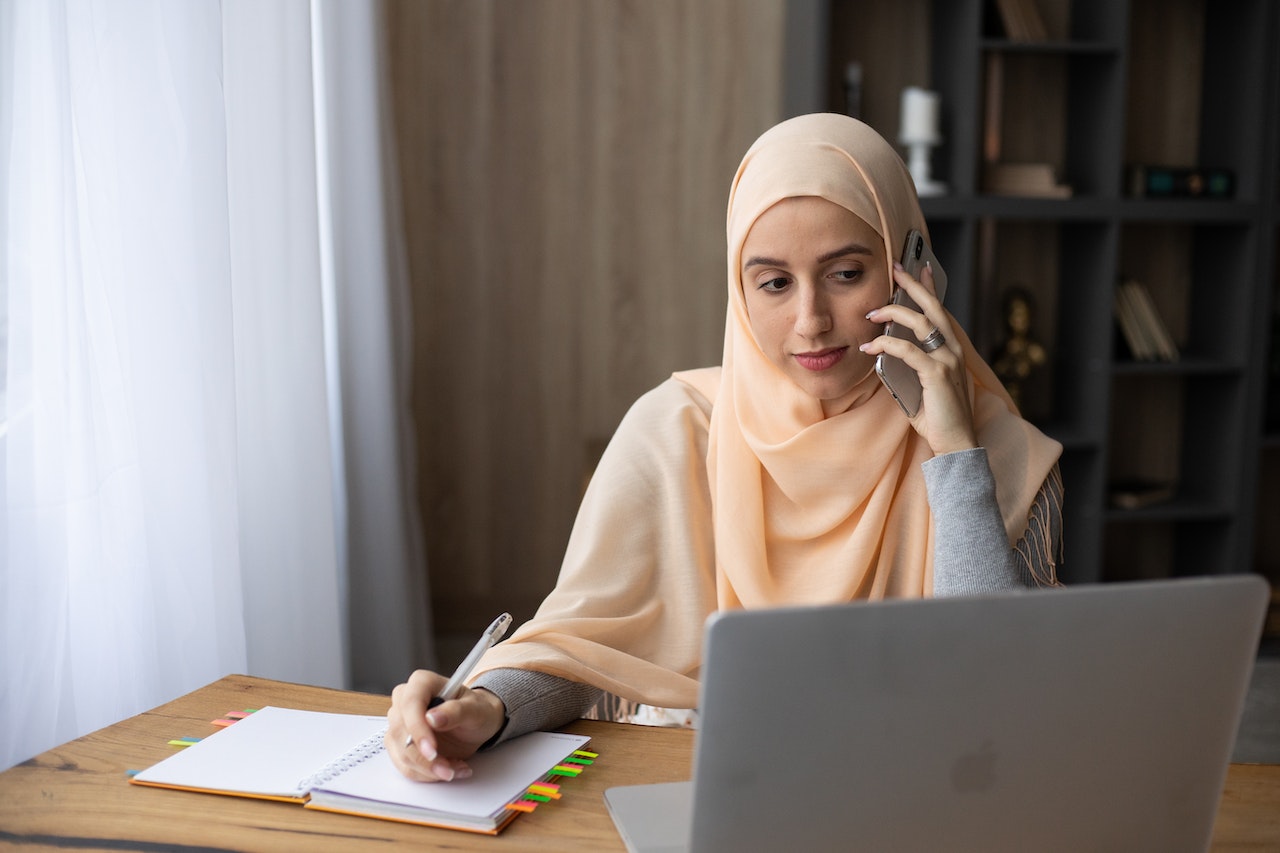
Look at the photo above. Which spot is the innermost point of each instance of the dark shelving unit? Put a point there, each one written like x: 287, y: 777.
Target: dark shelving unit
x: 1180, y: 83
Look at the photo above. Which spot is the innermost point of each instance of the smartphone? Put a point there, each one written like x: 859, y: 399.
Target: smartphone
x: 896, y: 374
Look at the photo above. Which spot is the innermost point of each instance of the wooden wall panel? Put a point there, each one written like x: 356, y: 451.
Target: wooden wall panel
x: 565, y: 166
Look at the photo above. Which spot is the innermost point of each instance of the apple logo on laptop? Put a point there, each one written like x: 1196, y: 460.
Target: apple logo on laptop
x: 975, y: 771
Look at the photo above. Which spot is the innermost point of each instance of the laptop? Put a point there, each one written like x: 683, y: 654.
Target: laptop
x: 1096, y: 717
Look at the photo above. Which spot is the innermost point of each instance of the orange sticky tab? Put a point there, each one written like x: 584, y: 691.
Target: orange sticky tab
x: 223, y: 723
x: 542, y: 792
x: 522, y: 806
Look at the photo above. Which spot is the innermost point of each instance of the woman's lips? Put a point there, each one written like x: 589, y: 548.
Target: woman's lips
x: 820, y: 360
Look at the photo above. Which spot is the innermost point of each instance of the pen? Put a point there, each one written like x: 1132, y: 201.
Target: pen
x: 490, y: 636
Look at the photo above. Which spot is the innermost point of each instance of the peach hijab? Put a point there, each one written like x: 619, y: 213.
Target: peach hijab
x: 811, y: 509
x: 804, y: 509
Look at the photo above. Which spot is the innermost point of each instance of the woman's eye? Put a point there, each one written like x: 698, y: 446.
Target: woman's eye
x: 847, y: 275
x: 774, y: 285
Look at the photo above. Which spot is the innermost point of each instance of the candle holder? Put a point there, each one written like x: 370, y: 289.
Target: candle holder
x: 919, y: 134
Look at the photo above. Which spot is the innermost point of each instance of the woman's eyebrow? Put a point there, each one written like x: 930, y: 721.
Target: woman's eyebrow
x: 851, y: 249
x: 843, y: 251
x: 758, y: 261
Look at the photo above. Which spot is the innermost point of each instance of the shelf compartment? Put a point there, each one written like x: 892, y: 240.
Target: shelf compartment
x: 1201, y: 279
x: 1151, y: 549
x: 1188, y: 59
x: 1062, y: 110
x: 1174, y: 430
x: 1057, y: 264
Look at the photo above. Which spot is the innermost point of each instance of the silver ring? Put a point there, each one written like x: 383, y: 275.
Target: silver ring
x: 933, y: 341
x: 408, y: 742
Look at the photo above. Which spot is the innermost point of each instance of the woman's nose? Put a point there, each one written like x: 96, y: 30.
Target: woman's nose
x: 813, y: 315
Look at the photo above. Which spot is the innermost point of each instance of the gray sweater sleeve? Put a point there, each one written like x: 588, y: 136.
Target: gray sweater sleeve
x: 536, y: 701
x: 971, y: 549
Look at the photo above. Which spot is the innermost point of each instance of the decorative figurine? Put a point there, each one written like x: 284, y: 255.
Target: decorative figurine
x: 1021, y: 355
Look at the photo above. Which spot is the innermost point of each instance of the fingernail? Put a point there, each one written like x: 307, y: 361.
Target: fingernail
x: 446, y: 772
x: 428, y: 751
x: 897, y: 265
x: 462, y: 773
x: 433, y: 719
x: 864, y: 347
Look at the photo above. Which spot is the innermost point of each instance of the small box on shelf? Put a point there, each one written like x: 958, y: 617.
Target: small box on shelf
x: 1031, y: 180
x: 1179, y: 182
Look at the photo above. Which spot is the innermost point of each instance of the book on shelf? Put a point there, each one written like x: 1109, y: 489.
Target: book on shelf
x: 1022, y: 20
x: 1145, y: 333
x: 1023, y: 179
x: 337, y: 762
x: 1180, y: 182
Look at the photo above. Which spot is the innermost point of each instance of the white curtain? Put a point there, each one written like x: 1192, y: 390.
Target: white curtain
x: 189, y: 417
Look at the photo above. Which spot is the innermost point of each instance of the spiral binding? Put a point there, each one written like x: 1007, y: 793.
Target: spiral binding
x: 359, y: 753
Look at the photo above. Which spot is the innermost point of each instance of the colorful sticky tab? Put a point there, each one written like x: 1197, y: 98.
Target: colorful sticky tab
x: 184, y: 741
x: 546, y: 789
x: 132, y: 773
x: 232, y: 717
x: 565, y: 770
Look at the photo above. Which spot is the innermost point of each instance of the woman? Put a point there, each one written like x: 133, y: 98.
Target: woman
x: 788, y: 475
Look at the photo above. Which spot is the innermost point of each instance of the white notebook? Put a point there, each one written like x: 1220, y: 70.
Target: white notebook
x: 336, y: 762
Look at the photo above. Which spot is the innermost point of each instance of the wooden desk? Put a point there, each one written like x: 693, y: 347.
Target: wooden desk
x: 77, y: 795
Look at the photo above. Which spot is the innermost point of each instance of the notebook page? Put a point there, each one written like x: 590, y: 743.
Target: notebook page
x: 268, y: 753
x: 499, y: 776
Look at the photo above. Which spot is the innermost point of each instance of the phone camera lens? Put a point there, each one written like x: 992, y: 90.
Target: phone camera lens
x: 919, y: 247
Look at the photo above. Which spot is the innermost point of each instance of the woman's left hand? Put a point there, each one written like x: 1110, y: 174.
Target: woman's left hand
x: 945, y: 419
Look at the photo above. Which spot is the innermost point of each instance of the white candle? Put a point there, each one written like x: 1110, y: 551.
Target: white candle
x: 919, y: 116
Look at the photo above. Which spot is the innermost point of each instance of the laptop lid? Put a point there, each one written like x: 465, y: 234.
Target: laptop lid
x: 1092, y: 717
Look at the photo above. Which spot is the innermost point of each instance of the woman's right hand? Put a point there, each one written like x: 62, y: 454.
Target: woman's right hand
x: 433, y: 745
